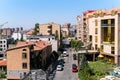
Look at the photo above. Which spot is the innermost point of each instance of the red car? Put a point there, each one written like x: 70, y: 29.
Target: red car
x: 74, y: 68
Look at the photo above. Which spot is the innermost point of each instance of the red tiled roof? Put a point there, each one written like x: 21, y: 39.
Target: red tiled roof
x: 38, y: 45
x: 30, y: 32
x: 89, y: 11
x: 3, y: 62
x: 20, y: 44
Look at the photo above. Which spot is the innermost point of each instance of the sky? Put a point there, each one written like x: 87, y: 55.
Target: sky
x: 25, y: 13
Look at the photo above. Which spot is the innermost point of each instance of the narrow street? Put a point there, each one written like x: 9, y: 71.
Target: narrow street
x: 67, y: 73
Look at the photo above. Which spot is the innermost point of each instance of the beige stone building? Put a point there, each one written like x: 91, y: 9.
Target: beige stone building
x: 50, y: 29
x: 65, y: 29
x: 104, y: 32
x: 83, y: 29
x: 26, y: 56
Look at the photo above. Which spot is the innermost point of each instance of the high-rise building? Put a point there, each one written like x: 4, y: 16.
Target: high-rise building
x: 83, y: 29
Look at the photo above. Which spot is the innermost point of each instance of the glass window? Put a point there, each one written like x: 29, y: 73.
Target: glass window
x: 96, y: 22
x: 96, y: 46
x: 24, y: 50
x: 24, y: 55
x: 96, y: 30
x: 96, y: 39
x: 24, y: 65
x: 1, y: 49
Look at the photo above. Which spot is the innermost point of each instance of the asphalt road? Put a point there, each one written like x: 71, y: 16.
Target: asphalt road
x: 67, y: 73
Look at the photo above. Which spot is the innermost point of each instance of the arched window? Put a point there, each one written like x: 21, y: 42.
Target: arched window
x: 24, y: 50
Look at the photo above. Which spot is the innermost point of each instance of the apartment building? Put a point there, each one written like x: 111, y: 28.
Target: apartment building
x: 79, y: 28
x: 83, y: 27
x: 27, y: 56
x: 104, y: 31
x: 65, y: 29
x: 4, y: 42
x: 50, y: 29
x: 6, y: 31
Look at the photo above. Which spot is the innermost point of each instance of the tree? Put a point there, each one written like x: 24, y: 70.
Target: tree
x: 86, y: 72
x: 76, y: 44
x: 36, y: 29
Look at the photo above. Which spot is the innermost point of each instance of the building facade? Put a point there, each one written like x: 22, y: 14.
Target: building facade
x: 79, y: 28
x: 83, y: 30
x: 4, y: 42
x: 49, y: 38
x: 65, y: 30
x: 27, y: 56
x: 17, y: 35
x: 50, y: 29
x: 104, y: 31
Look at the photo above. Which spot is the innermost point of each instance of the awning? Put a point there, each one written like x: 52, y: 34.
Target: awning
x: 100, y: 56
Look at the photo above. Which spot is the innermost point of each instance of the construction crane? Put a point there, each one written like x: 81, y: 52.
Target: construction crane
x: 3, y: 24
x: 1, y: 28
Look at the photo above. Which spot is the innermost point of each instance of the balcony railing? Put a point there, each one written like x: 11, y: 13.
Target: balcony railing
x: 106, y: 25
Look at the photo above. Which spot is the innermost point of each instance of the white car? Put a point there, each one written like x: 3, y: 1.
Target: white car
x: 59, y: 68
x: 64, y: 52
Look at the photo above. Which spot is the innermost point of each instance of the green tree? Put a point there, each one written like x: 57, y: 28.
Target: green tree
x: 86, y: 72
x: 76, y: 44
x: 36, y: 29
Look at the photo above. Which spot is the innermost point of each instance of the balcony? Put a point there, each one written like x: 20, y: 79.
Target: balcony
x: 108, y: 43
x: 49, y: 27
x: 50, y: 32
x: 107, y: 25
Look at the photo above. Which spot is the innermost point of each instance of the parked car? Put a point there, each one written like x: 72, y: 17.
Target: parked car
x: 74, y: 68
x: 59, y: 68
x: 61, y: 63
x: 74, y: 57
x: 65, y: 54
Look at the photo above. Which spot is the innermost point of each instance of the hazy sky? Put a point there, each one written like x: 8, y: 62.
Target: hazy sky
x: 26, y: 13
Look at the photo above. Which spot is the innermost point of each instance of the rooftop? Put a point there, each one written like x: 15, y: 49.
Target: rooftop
x: 3, y: 62
x: 37, y: 45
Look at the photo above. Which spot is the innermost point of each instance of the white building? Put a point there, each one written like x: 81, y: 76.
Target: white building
x: 3, y: 46
x: 17, y: 35
x: 48, y: 38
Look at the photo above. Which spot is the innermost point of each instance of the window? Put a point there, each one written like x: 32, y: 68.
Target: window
x: 96, y: 22
x: 24, y: 65
x: 48, y: 39
x: 24, y: 50
x: 24, y: 73
x: 112, y: 50
x: 96, y: 30
x: 96, y: 39
x: 84, y: 36
x: 0, y: 49
x: 24, y: 55
x: 96, y: 46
